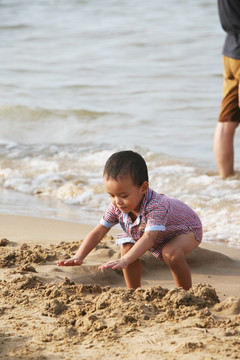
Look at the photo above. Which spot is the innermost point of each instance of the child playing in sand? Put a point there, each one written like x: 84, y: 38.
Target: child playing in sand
x: 166, y: 227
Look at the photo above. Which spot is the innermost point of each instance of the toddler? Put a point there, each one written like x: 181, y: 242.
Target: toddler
x: 166, y: 227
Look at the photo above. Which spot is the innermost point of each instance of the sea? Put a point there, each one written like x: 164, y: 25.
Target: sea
x: 82, y: 79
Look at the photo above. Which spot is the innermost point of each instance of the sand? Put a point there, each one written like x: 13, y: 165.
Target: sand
x: 50, y: 312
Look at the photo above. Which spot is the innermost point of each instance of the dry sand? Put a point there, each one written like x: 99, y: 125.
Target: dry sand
x: 50, y: 312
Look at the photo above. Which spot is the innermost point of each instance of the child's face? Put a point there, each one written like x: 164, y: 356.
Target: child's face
x: 124, y: 194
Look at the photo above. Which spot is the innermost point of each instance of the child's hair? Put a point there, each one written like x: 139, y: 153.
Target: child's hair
x: 124, y: 163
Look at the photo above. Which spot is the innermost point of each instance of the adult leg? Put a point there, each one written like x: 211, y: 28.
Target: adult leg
x: 229, y: 118
x: 224, y: 147
x: 174, y: 255
x: 132, y: 274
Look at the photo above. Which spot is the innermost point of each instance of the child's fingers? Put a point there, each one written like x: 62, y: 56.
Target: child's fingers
x: 112, y: 265
x: 105, y: 266
x: 60, y: 263
x: 70, y: 262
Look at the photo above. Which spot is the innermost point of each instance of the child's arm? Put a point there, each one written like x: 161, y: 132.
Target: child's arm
x: 89, y: 243
x: 138, y: 249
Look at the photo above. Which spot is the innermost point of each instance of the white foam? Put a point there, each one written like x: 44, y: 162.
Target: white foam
x: 73, y: 175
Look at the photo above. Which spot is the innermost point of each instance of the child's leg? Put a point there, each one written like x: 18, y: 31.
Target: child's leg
x: 174, y: 255
x: 132, y: 274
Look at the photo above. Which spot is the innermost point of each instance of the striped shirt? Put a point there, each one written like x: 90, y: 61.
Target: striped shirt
x: 170, y: 217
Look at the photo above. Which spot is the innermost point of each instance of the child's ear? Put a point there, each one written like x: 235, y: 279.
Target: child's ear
x: 144, y: 187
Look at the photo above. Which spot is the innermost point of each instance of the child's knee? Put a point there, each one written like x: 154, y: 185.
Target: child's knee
x: 172, y: 254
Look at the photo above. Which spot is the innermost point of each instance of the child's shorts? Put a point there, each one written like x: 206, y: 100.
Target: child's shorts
x: 156, y: 250
x: 230, y: 110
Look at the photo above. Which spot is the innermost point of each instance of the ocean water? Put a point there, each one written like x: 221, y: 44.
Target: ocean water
x: 82, y: 79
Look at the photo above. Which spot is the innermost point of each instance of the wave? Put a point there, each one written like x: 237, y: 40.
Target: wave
x: 22, y: 113
x: 15, y: 27
x: 51, y: 126
x: 72, y: 175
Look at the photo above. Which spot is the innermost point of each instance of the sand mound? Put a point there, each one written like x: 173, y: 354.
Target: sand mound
x: 68, y: 314
x: 46, y: 315
x: 36, y: 254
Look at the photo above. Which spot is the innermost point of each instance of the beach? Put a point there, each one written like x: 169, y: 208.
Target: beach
x: 79, y: 81
x: 49, y: 312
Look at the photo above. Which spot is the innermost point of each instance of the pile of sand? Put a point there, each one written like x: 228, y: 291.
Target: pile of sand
x: 87, y: 314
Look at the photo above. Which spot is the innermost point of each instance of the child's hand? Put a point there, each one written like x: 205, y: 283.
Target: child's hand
x: 70, y: 262
x: 114, y: 264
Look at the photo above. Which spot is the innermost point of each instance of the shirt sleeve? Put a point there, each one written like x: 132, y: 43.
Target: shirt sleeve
x: 110, y: 218
x: 156, y: 215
